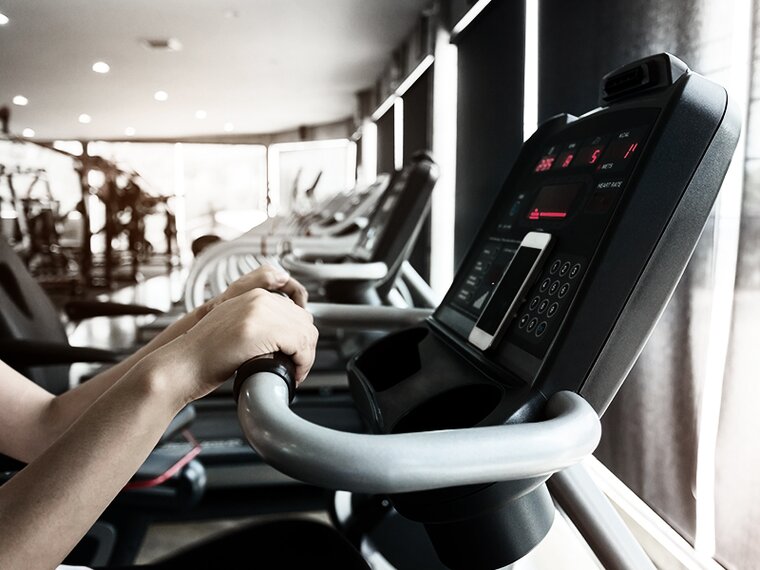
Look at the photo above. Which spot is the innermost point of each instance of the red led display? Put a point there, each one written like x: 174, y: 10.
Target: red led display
x: 536, y: 214
x: 554, y: 202
x: 565, y: 159
x: 589, y: 155
x: 544, y: 164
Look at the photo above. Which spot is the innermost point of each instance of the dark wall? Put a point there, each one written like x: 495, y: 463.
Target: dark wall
x: 489, y: 112
x: 418, y: 135
x: 581, y: 41
x: 385, y: 133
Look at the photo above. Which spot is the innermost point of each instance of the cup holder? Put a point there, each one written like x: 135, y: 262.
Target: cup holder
x: 461, y: 407
x: 392, y: 359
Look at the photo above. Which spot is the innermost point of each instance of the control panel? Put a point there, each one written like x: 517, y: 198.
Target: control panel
x: 570, y: 187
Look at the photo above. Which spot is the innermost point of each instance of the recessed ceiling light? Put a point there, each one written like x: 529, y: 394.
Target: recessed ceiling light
x: 130, y: 131
x: 4, y: 19
x: 229, y: 127
x: 20, y: 100
x: 28, y: 133
x: 160, y: 95
x: 200, y: 114
x: 101, y: 67
x: 84, y: 118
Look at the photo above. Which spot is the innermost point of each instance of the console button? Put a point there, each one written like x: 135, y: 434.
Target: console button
x: 553, y: 289
x: 534, y: 302
x: 565, y: 268
x: 575, y: 270
x: 564, y: 289
x: 545, y: 284
x: 532, y: 325
x: 552, y: 310
x: 542, y: 307
x: 541, y: 328
x: 523, y: 320
x: 555, y: 266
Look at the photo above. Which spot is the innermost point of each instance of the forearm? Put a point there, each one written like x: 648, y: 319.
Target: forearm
x: 48, y: 506
x: 103, y: 380
x: 67, y: 407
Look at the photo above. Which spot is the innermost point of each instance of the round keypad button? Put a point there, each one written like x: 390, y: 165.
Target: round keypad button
x: 564, y: 289
x: 545, y: 284
x: 531, y: 325
x: 534, y: 302
x: 542, y: 307
x: 553, y: 289
x: 553, y: 308
x: 575, y: 270
x: 555, y: 266
x: 523, y: 320
x: 541, y: 328
x: 565, y: 268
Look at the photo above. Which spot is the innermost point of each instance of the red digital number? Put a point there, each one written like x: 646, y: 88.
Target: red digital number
x: 544, y: 164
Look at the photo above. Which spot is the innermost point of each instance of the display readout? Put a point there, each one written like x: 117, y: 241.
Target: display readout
x: 554, y: 202
x: 609, y: 152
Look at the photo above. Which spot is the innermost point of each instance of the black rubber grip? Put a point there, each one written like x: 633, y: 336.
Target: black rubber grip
x: 276, y: 363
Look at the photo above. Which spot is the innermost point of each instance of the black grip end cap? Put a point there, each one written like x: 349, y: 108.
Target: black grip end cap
x: 276, y: 363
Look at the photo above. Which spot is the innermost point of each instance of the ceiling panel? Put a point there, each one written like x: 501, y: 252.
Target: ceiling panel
x: 260, y: 65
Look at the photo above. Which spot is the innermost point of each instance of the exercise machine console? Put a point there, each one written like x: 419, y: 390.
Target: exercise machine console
x: 466, y: 433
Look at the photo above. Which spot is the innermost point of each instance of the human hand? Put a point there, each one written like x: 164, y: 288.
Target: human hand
x: 264, y: 277
x: 247, y: 325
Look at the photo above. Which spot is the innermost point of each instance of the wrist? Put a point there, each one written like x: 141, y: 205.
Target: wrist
x: 164, y: 375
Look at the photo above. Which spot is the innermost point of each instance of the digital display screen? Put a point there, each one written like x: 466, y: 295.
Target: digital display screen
x: 554, y: 202
x: 564, y: 160
x: 622, y: 150
x: 507, y: 289
x: 590, y: 155
x: 544, y: 164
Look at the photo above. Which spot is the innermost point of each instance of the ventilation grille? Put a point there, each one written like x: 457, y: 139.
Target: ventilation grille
x: 163, y: 44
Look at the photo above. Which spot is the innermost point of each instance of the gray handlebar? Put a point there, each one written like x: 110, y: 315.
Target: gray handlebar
x: 365, y: 317
x: 400, y: 463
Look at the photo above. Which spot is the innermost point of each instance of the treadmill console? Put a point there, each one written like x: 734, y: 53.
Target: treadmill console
x: 622, y: 194
x: 570, y: 188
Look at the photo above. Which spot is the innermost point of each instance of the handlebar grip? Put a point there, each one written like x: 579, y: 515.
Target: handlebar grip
x: 276, y: 363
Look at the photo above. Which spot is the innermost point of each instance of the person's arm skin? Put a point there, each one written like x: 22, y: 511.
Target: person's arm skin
x: 48, y: 506
x: 56, y: 414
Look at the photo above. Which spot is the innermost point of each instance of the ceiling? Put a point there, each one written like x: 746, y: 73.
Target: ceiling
x: 260, y: 65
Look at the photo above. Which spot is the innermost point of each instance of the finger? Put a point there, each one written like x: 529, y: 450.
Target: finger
x: 271, y: 278
x: 302, y: 350
x: 295, y: 291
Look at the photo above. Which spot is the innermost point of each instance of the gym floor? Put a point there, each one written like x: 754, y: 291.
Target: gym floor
x: 560, y: 550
